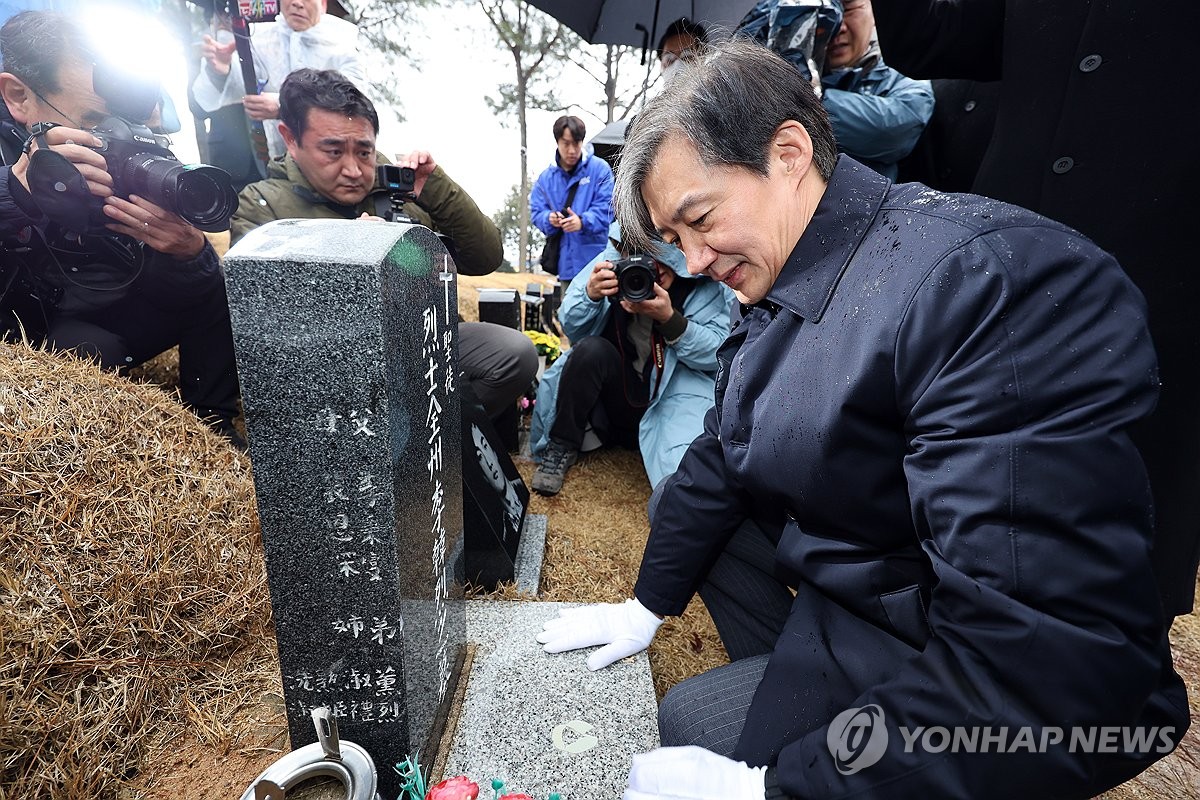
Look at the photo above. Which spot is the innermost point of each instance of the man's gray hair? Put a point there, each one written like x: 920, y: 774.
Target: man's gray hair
x: 35, y: 44
x: 728, y: 105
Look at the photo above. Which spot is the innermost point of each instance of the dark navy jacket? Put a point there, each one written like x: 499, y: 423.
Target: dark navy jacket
x: 930, y: 410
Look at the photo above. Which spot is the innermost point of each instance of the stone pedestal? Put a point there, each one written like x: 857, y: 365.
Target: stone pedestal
x: 545, y: 723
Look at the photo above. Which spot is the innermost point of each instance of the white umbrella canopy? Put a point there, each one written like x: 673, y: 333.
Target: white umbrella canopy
x: 639, y: 22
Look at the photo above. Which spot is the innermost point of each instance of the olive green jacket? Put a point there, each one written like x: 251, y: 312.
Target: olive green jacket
x: 443, y: 207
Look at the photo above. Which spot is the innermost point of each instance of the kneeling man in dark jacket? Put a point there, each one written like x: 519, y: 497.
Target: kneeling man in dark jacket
x: 915, y: 512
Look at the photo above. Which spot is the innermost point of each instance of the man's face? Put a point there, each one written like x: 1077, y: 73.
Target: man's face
x: 665, y: 275
x: 853, y: 37
x: 569, y: 150
x: 679, y: 46
x: 74, y: 104
x: 728, y: 221
x: 300, y: 15
x: 336, y: 155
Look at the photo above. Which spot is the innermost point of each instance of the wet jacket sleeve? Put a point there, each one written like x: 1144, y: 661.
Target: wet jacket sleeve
x: 182, y: 284
x: 455, y: 214
x: 579, y: 314
x: 942, y: 38
x: 698, y: 511
x: 599, y: 214
x: 540, y: 202
x: 882, y: 127
x: 12, y: 217
x: 1032, y: 505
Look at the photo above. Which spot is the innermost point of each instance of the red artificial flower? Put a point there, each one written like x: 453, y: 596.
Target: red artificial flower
x: 457, y: 788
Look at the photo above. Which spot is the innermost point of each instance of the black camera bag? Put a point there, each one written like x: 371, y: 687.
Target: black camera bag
x: 549, y: 259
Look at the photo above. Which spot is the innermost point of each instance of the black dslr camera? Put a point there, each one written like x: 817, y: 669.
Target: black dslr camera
x: 400, y: 183
x: 140, y: 163
x: 636, y: 276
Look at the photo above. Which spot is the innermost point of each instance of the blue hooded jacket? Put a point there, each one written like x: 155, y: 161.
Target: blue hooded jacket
x: 676, y: 413
x: 592, y: 202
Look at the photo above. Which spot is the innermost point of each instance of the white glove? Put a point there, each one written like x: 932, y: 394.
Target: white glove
x: 623, y: 628
x: 693, y: 773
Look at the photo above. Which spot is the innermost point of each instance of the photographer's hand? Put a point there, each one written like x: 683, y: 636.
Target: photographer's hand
x: 73, y: 145
x: 163, y: 231
x: 556, y: 219
x: 658, y: 308
x: 422, y: 163
x: 262, y: 106
x: 571, y: 222
x: 219, y: 57
x: 602, y: 282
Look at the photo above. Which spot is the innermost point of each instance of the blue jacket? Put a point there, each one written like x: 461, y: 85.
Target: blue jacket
x: 676, y: 413
x: 593, y: 204
x: 877, y: 114
x: 930, y: 410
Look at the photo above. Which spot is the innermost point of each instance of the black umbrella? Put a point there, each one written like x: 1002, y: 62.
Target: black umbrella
x: 639, y: 22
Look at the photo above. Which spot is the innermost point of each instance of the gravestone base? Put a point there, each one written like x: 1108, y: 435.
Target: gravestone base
x: 545, y: 723
x: 530, y: 552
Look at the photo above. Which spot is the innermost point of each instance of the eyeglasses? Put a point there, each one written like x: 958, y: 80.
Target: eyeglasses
x: 42, y: 97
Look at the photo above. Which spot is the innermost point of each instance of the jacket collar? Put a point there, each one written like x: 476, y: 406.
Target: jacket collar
x: 288, y: 169
x: 12, y: 137
x: 844, y: 213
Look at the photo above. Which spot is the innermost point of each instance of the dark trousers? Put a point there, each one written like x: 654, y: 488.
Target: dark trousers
x: 750, y: 607
x: 599, y: 386
x: 498, y: 362
x: 138, y: 327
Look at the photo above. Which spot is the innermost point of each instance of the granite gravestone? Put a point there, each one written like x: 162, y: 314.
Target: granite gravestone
x: 346, y: 340
x: 495, y: 499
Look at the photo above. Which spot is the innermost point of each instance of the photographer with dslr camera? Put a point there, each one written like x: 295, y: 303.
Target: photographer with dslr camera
x: 92, y: 260
x: 330, y: 172
x: 642, y: 364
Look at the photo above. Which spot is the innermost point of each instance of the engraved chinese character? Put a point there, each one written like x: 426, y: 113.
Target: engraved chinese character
x: 359, y: 679
x: 361, y: 422
x: 381, y: 630
x: 385, y: 681
x: 327, y: 420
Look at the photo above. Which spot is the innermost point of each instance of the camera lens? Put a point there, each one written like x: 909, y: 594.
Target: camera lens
x: 636, y: 282
x: 201, y: 194
x: 205, y: 197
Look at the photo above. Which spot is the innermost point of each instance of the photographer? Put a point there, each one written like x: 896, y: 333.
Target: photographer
x: 139, y: 279
x: 640, y: 371
x: 329, y: 173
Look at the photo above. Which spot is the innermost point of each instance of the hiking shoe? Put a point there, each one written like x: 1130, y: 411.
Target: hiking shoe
x: 558, y: 458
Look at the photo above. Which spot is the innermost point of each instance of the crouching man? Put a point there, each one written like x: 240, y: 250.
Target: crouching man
x: 925, y: 407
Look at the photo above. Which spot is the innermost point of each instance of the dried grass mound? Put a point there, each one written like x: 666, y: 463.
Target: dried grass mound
x: 130, y: 572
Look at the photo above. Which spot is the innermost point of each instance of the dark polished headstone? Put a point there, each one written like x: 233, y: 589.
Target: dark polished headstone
x: 346, y: 338
x: 495, y: 499
x: 500, y: 307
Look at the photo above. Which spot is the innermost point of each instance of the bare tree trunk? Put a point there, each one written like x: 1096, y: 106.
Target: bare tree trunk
x: 524, y: 246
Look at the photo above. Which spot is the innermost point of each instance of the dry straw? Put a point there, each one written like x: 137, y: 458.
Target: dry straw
x: 130, y: 573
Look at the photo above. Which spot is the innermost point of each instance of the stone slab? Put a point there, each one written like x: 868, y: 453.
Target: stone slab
x: 530, y: 553
x: 545, y: 723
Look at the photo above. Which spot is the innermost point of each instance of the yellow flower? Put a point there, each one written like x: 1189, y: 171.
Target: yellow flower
x: 547, y: 344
